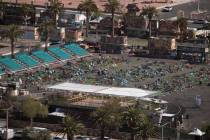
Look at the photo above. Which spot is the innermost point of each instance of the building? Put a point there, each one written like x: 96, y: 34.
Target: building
x: 66, y: 19
x: 200, y: 15
x: 73, y: 35
x: 106, y: 24
x: 198, y: 28
x: 136, y: 26
x: 195, y: 51
x: 161, y: 46
x: 14, y: 14
x: 113, y: 44
x: 168, y: 28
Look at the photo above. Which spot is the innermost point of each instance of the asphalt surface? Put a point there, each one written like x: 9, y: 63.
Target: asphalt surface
x: 187, y: 8
x: 198, y: 116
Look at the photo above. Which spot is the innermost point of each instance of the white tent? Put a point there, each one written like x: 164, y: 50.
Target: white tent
x: 57, y: 114
x: 168, y: 115
x: 104, y: 90
x: 197, y: 132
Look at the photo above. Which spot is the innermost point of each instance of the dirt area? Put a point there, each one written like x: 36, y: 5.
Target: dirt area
x: 176, y: 81
x: 73, y: 4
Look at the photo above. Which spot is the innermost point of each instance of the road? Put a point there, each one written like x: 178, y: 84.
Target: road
x: 187, y: 8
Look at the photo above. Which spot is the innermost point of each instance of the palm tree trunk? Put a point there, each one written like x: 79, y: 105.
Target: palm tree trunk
x: 29, y: 50
x: 70, y: 137
x: 46, y: 42
x: 55, y: 19
x: 150, y: 28
x: 12, y: 49
x: 132, y: 136
x: 87, y: 24
x: 102, y: 134
x: 112, y: 23
x: 181, y: 36
x: 31, y: 122
x: 144, y: 138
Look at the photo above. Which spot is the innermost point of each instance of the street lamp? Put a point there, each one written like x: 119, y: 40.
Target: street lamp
x: 198, y: 6
x: 162, y: 137
x: 7, y: 118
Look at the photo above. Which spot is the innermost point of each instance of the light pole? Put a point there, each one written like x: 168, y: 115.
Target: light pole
x: 162, y: 137
x: 198, y: 8
x: 7, y: 119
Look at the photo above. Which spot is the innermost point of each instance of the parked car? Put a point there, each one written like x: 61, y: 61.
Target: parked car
x: 200, y: 21
x: 167, y: 9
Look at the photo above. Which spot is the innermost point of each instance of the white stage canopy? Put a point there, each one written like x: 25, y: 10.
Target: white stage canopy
x: 104, y: 90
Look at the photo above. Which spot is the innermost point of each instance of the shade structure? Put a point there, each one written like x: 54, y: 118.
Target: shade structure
x: 157, y: 101
x: 197, y: 132
x: 104, y: 90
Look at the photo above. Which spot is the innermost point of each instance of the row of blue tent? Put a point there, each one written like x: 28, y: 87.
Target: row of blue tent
x: 23, y: 60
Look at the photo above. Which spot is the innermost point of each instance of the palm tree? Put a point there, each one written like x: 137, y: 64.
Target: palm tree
x: 45, y: 29
x: 56, y: 7
x: 107, y: 117
x: 149, y: 12
x: 133, y: 118
x: 182, y: 25
x: 89, y: 7
x: 112, y: 6
x: 137, y: 122
x: 148, y: 129
x: 71, y: 127
x: 12, y: 32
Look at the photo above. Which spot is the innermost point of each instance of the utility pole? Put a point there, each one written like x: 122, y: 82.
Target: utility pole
x: 198, y: 6
x: 178, y: 128
x: 7, y: 120
x: 162, y: 129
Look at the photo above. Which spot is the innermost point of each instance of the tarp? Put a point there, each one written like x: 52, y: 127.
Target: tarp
x: 104, y: 90
x: 197, y: 132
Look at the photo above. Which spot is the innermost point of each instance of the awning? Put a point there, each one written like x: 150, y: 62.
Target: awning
x: 104, y: 90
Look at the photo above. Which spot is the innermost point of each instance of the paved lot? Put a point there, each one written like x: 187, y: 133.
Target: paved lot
x: 187, y: 8
x: 198, y: 116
